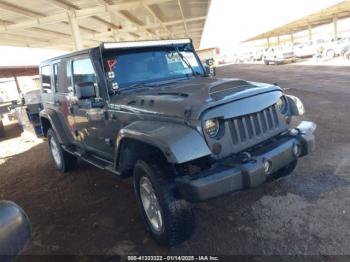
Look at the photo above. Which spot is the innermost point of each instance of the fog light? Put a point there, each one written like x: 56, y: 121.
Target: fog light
x: 296, y: 150
x: 267, y: 166
x: 216, y: 148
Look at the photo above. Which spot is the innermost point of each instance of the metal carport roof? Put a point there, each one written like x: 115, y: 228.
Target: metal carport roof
x: 324, y: 16
x: 76, y: 24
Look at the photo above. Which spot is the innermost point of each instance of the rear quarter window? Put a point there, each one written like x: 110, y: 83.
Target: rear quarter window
x: 46, y: 79
x: 61, y: 77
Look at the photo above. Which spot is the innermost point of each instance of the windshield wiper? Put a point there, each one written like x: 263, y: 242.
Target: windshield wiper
x: 194, y: 73
x: 135, y: 86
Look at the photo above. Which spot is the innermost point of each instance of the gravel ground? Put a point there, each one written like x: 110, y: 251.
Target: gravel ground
x: 88, y: 211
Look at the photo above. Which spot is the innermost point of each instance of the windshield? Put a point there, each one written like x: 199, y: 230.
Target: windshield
x: 147, y: 66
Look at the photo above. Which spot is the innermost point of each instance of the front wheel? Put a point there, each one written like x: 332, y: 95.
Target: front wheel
x: 266, y: 62
x: 169, y: 220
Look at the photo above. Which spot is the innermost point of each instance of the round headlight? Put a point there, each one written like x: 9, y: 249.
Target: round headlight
x: 212, y: 127
x: 282, y: 105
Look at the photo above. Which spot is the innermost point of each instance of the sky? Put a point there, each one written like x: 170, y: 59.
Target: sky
x: 229, y: 22
x: 13, y: 56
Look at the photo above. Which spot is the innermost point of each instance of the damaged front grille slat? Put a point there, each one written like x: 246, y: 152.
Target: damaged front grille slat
x: 274, y: 116
x: 248, y: 127
x: 262, y: 121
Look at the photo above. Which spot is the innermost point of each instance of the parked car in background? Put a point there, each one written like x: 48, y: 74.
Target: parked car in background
x: 278, y: 55
x: 347, y: 54
x: 305, y: 50
x: 258, y: 55
x: 345, y: 49
x: 334, y: 47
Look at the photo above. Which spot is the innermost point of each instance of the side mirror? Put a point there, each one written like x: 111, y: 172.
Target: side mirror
x: 85, y: 90
x: 210, y: 70
x: 15, y: 230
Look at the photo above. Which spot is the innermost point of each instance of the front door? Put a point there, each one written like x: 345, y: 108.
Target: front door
x: 90, y: 114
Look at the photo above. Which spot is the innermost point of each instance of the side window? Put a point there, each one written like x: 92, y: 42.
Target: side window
x: 60, y: 77
x: 83, y: 71
x: 46, y: 79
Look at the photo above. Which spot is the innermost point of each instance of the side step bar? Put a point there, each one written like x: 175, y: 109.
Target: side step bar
x: 91, y: 159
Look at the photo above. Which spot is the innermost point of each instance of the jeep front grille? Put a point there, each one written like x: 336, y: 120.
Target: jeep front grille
x: 254, y: 127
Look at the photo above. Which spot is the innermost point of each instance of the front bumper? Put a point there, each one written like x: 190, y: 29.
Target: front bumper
x: 229, y: 176
x: 282, y: 59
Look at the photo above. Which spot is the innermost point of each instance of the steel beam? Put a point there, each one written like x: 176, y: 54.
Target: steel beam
x: 75, y: 30
x: 183, y: 17
x: 156, y: 17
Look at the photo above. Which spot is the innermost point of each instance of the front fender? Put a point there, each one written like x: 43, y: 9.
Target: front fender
x: 296, y: 106
x: 179, y: 143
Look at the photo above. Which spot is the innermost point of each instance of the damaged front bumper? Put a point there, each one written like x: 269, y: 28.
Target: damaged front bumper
x: 228, y: 176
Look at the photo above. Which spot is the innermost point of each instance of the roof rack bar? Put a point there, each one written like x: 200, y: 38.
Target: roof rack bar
x: 146, y: 43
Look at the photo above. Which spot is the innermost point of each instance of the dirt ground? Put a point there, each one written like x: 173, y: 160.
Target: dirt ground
x: 88, y: 211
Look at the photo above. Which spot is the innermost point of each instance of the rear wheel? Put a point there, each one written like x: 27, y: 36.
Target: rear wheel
x: 169, y: 220
x: 63, y: 161
x: 266, y: 62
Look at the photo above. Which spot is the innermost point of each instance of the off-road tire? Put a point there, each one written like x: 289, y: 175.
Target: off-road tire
x: 177, y: 215
x: 287, y: 170
x: 68, y: 161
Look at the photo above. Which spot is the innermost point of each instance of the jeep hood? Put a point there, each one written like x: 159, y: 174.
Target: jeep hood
x: 188, y: 98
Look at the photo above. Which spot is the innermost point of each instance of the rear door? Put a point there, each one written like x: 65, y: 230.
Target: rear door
x: 63, y: 96
x: 54, y: 99
x: 47, y: 92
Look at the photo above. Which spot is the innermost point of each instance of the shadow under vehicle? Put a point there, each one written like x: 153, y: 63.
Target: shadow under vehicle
x: 150, y: 110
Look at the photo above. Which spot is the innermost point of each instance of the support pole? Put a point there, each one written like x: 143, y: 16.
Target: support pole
x: 17, y: 84
x: 75, y: 30
x: 116, y: 36
x: 278, y: 40
x: 292, y: 38
x: 310, y: 32
x: 335, y: 28
x: 268, y: 42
